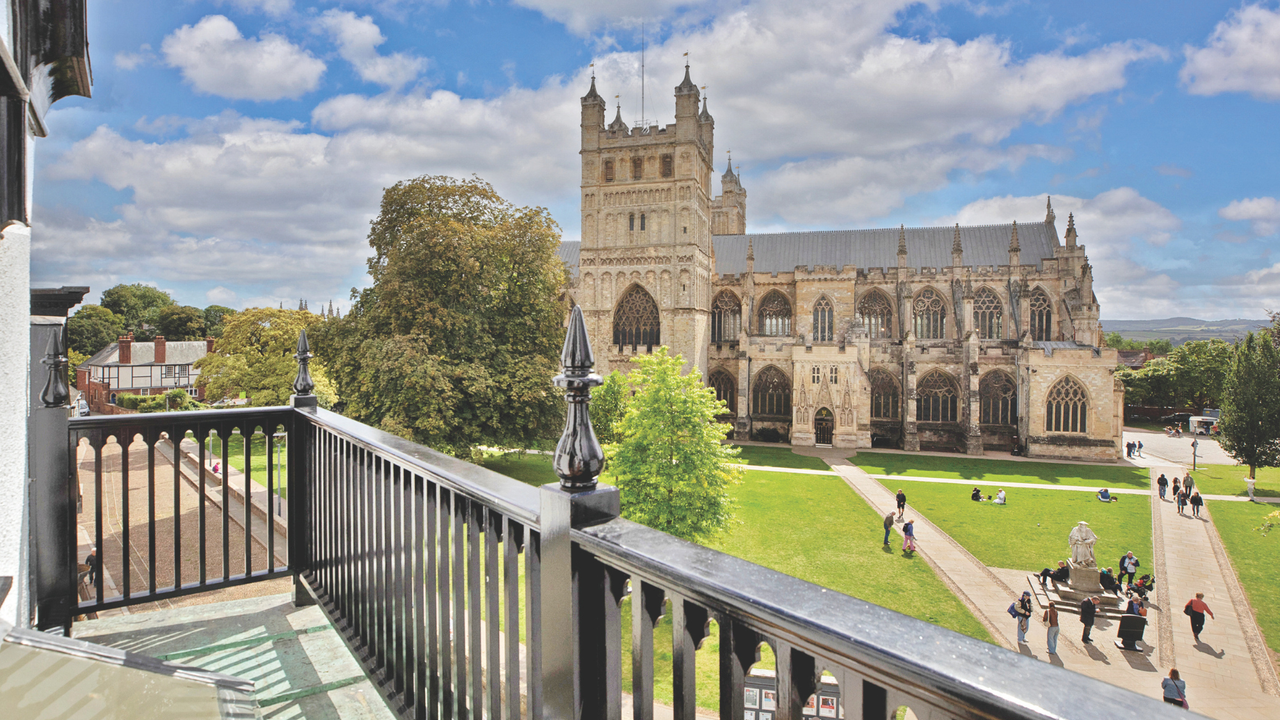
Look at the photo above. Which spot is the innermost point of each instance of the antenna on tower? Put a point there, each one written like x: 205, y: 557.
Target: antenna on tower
x: 643, y: 122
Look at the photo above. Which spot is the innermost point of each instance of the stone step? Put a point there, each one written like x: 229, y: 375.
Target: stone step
x: 1068, y: 600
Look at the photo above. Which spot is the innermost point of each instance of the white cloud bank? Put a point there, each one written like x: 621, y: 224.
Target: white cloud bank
x: 217, y: 60
x: 1263, y: 214
x: 1241, y: 55
x: 358, y: 38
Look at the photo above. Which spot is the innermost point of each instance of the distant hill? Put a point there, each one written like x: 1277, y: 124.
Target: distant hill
x: 1182, y: 329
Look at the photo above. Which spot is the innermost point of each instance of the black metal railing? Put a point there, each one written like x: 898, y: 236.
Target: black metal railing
x: 466, y: 594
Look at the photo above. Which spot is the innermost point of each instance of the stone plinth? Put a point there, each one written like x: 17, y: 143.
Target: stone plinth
x: 1085, y: 579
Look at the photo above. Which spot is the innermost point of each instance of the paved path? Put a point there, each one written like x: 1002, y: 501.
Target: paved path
x: 1231, y: 685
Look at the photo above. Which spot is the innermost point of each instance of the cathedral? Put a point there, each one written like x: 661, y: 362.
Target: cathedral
x: 960, y: 339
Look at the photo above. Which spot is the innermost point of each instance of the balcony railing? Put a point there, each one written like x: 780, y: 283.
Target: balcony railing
x: 424, y: 564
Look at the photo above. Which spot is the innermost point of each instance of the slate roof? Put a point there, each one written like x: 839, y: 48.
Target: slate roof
x: 984, y: 245
x: 184, y: 352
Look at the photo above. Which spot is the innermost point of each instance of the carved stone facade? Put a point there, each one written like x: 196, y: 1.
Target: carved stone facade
x: 964, y: 339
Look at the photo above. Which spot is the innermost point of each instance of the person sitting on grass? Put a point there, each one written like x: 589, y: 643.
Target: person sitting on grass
x: 1000, y: 499
x: 976, y: 495
x: 1105, y: 496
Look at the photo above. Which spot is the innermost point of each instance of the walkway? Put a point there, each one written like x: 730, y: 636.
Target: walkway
x: 1226, y: 679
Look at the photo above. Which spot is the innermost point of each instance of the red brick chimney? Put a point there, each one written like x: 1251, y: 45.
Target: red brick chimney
x: 126, y: 349
x: 160, y: 350
x: 208, y: 344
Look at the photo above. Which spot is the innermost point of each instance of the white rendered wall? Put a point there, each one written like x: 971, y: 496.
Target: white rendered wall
x: 15, y: 332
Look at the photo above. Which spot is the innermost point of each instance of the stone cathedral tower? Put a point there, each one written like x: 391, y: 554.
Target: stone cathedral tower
x: 647, y: 261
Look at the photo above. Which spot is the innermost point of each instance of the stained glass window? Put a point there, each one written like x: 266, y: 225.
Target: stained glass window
x: 988, y: 313
x: 771, y: 393
x: 997, y: 399
x: 775, y: 316
x: 930, y: 312
x: 937, y: 398
x: 636, y: 321
x: 1067, y: 409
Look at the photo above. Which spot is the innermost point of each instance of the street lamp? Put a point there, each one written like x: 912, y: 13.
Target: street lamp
x: 1195, y: 444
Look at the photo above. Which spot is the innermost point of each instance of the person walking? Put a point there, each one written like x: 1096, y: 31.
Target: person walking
x: 1177, y: 487
x: 1051, y: 635
x: 1182, y: 502
x: 1128, y: 566
x: 1139, y: 448
x: 1162, y: 483
x: 1175, y: 689
x: 1088, y: 611
x: 909, y: 536
x: 902, y: 503
x: 1196, y: 502
x: 1196, y: 608
x: 888, y: 525
x: 1024, y: 616
x: 92, y: 561
x: 1188, y: 484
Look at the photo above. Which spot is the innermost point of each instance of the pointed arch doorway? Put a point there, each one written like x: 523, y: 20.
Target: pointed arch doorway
x: 824, y: 426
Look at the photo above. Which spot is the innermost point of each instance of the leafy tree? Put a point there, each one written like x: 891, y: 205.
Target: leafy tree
x: 1159, y: 346
x: 74, y: 359
x: 670, y: 465
x: 1250, y: 421
x: 92, y: 328
x: 180, y: 322
x: 608, y: 406
x: 1201, y: 371
x: 254, y: 356
x: 214, y: 317
x: 456, y: 342
x: 138, y: 305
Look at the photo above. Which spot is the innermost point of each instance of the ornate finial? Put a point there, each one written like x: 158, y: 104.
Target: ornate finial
x: 592, y: 94
x: 686, y: 86
x: 1013, y: 240
x: 56, y: 393
x: 902, y: 239
x: 302, y: 384
x: 579, y: 458
x: 1049, y: 217
x: 956, y: 247
x: 1071, y: 229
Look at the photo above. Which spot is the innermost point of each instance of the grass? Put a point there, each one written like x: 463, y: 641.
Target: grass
x: 1001, y: 471
x: 258, y: 459
x: 529, y: 468
x: 817, y: 529
x: 779, y: 457
x: 1030, y: 532
x: 1256, y: 560
x: 1229, y: 480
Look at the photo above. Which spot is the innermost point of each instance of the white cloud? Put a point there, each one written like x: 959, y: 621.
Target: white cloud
x: 221, y: 296
x: 217, y: 60
x: 131, y: 61
x: 1107, y: 224
x: 1241, y: 55
x: 1263, y: 213
x: 583, y: 16
x: 358, y: 39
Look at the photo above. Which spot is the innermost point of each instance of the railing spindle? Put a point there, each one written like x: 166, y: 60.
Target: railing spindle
x: 533, y: 623
x: 224, y: 448
x: 269, y: 444
x: 420, y: 574
x: 460, y: 505
x: 448, y: 696
x: 475, y: 607
x: 400, y: 611
x: 433, y: 579
x: 247, y: 437
x: 646, y: 608
x: 152, y: 439
x: 514, y: 538
x: 202, y: 438
x: 176, y: 439
x: 688, y: 628
x: 98, y: 501
x: 125, y: 525
x: 493, y: 592
x: 739, y: 650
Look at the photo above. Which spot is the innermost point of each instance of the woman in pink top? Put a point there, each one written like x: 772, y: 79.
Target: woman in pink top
x: 1197, y: 608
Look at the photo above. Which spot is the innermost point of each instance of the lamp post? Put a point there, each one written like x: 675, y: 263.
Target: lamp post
x: 1195, y: 446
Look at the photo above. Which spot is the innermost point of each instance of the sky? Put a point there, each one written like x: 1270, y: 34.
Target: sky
x: 235, y: 151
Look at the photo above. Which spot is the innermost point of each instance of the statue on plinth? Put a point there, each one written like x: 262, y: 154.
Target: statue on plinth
x: 1082, y: 540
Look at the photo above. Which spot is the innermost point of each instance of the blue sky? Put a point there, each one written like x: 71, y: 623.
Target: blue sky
x: 235, y: 150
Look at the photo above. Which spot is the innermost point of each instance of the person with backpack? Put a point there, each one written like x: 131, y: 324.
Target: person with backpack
x: 909, y: 536
x: 1024, y: 616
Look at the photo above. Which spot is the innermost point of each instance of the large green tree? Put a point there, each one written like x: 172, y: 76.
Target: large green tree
x: 92, y: 328
x: 138, y: 305
x: 1201, y: 370
x: 1250, y: 421
x: 214, y: 318
x: 455, y: 343
x: 669, y: 463
x: 254, y: 356
x: 180, y: 322
x: 608, y: 406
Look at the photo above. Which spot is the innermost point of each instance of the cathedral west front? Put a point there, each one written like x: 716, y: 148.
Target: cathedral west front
x: 962, y: 339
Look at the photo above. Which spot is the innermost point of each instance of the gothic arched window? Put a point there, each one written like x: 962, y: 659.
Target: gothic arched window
x: 642, y: 221
x: 824, y: 320
x: 726, y: 389
x: 997, y: 399
x: 771, y: 393
x: 930, y: 313
x: 637, y: 168
x: 635, y: 320
x: 608, y: 171
x: 668, y: 165
x: 1067, y: 408
x: 1041, y: 316
x: 726, y: 318
x: 775, y: 316
x: 875, y: 313
x: 988, y: 314
x: 884, y: 395
x: 631, y: 220
x: 937, y: 398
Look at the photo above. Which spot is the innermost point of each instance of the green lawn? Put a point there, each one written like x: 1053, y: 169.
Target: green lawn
x: 1256, y: 560
x: 996, y: 471
x: 779, y: 457
x: 529, y: 468
x: 258, y: 459
x: 1030, y: 532
x: 1229, y: 480
x: 817, y: 529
